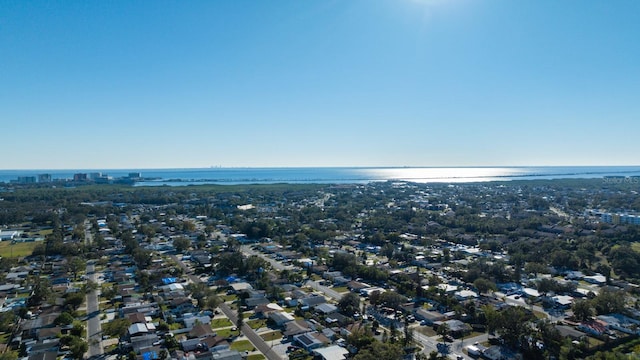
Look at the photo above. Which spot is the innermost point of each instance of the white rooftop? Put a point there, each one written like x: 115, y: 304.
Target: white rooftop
x: 334, y: 352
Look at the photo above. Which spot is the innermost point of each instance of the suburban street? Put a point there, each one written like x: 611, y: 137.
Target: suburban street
x: 255, y: 339
x: 315, y: 285
x: 274, y: 263
x: 247, y: 331
x: 94, y: 331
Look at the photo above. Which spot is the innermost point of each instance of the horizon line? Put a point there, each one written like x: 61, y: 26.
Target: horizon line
x: 316, y: 167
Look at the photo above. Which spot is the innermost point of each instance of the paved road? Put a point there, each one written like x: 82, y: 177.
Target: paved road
x: 458, y: 345
x: 94, y: 331
x: 327, y: 291
x: 274, y: 263
x: 427, y: 343
x: 255, y: 339
x: 280, y: 266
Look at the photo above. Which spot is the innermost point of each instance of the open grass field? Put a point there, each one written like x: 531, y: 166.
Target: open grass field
x: 7, y: 249
x: 255, y: 357
x: 242, y: 345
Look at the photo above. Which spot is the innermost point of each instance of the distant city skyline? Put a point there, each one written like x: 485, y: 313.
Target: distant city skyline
x: 152, y: 85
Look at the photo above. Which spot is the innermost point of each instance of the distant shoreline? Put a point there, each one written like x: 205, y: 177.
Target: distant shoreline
x: 321, y: 175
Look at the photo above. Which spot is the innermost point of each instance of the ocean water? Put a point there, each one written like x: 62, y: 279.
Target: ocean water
x: 340, y: 175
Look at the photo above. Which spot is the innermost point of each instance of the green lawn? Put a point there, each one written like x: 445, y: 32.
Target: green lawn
x: 426, y: 330
x: 104, y: 305
x: 220, y: 322
x: 594, y: 342
x: 274, y: 335
x: 110, y: 348
x: 227, y: 298
x: 242, y: 345
x: 340, y: 289
x: 539, y: 315
x: 41, y: 233
x: 4, y: 338
x: 226, y: 333
x: 256, y: 357
x: 7, y: 249
x: 257, y: 324
x: 473, y: 334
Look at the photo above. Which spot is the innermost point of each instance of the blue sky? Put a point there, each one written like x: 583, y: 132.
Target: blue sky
x: 163, y: 84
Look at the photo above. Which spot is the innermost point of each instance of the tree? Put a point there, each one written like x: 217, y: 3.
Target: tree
x: 408, y: 333
x: 387, y: 250
x: 545, y: 285
x: 240, y: 320
x: 77, y: 329
x: 76, y: 345
x: 379, y: 351
x: 582, y: 310
x: 443, y: 330
x: 164, y: 354
x: 89, y: 286
x: 181, y: 244
x: 64, y: 319
x: 446, y: 255
x: 550, y: 337
x: 74, y: 300
x: 8, y: 321
x: 206, y: 297
x: 75, y: 265
x: 388, y: 298
x: 360, y: 338
x: 513, y: 324
x: 535, y: 268
x: 41, y: 291
x: 116, y: 327
x: 9, y: 355
x: 393, y: 332
x: 109, y: 292
x: 609, y: 301
x: 483, y: 285
x: 349, y: 304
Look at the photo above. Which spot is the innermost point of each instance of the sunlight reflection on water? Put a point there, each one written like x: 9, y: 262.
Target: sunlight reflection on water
x: 445, y: 174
